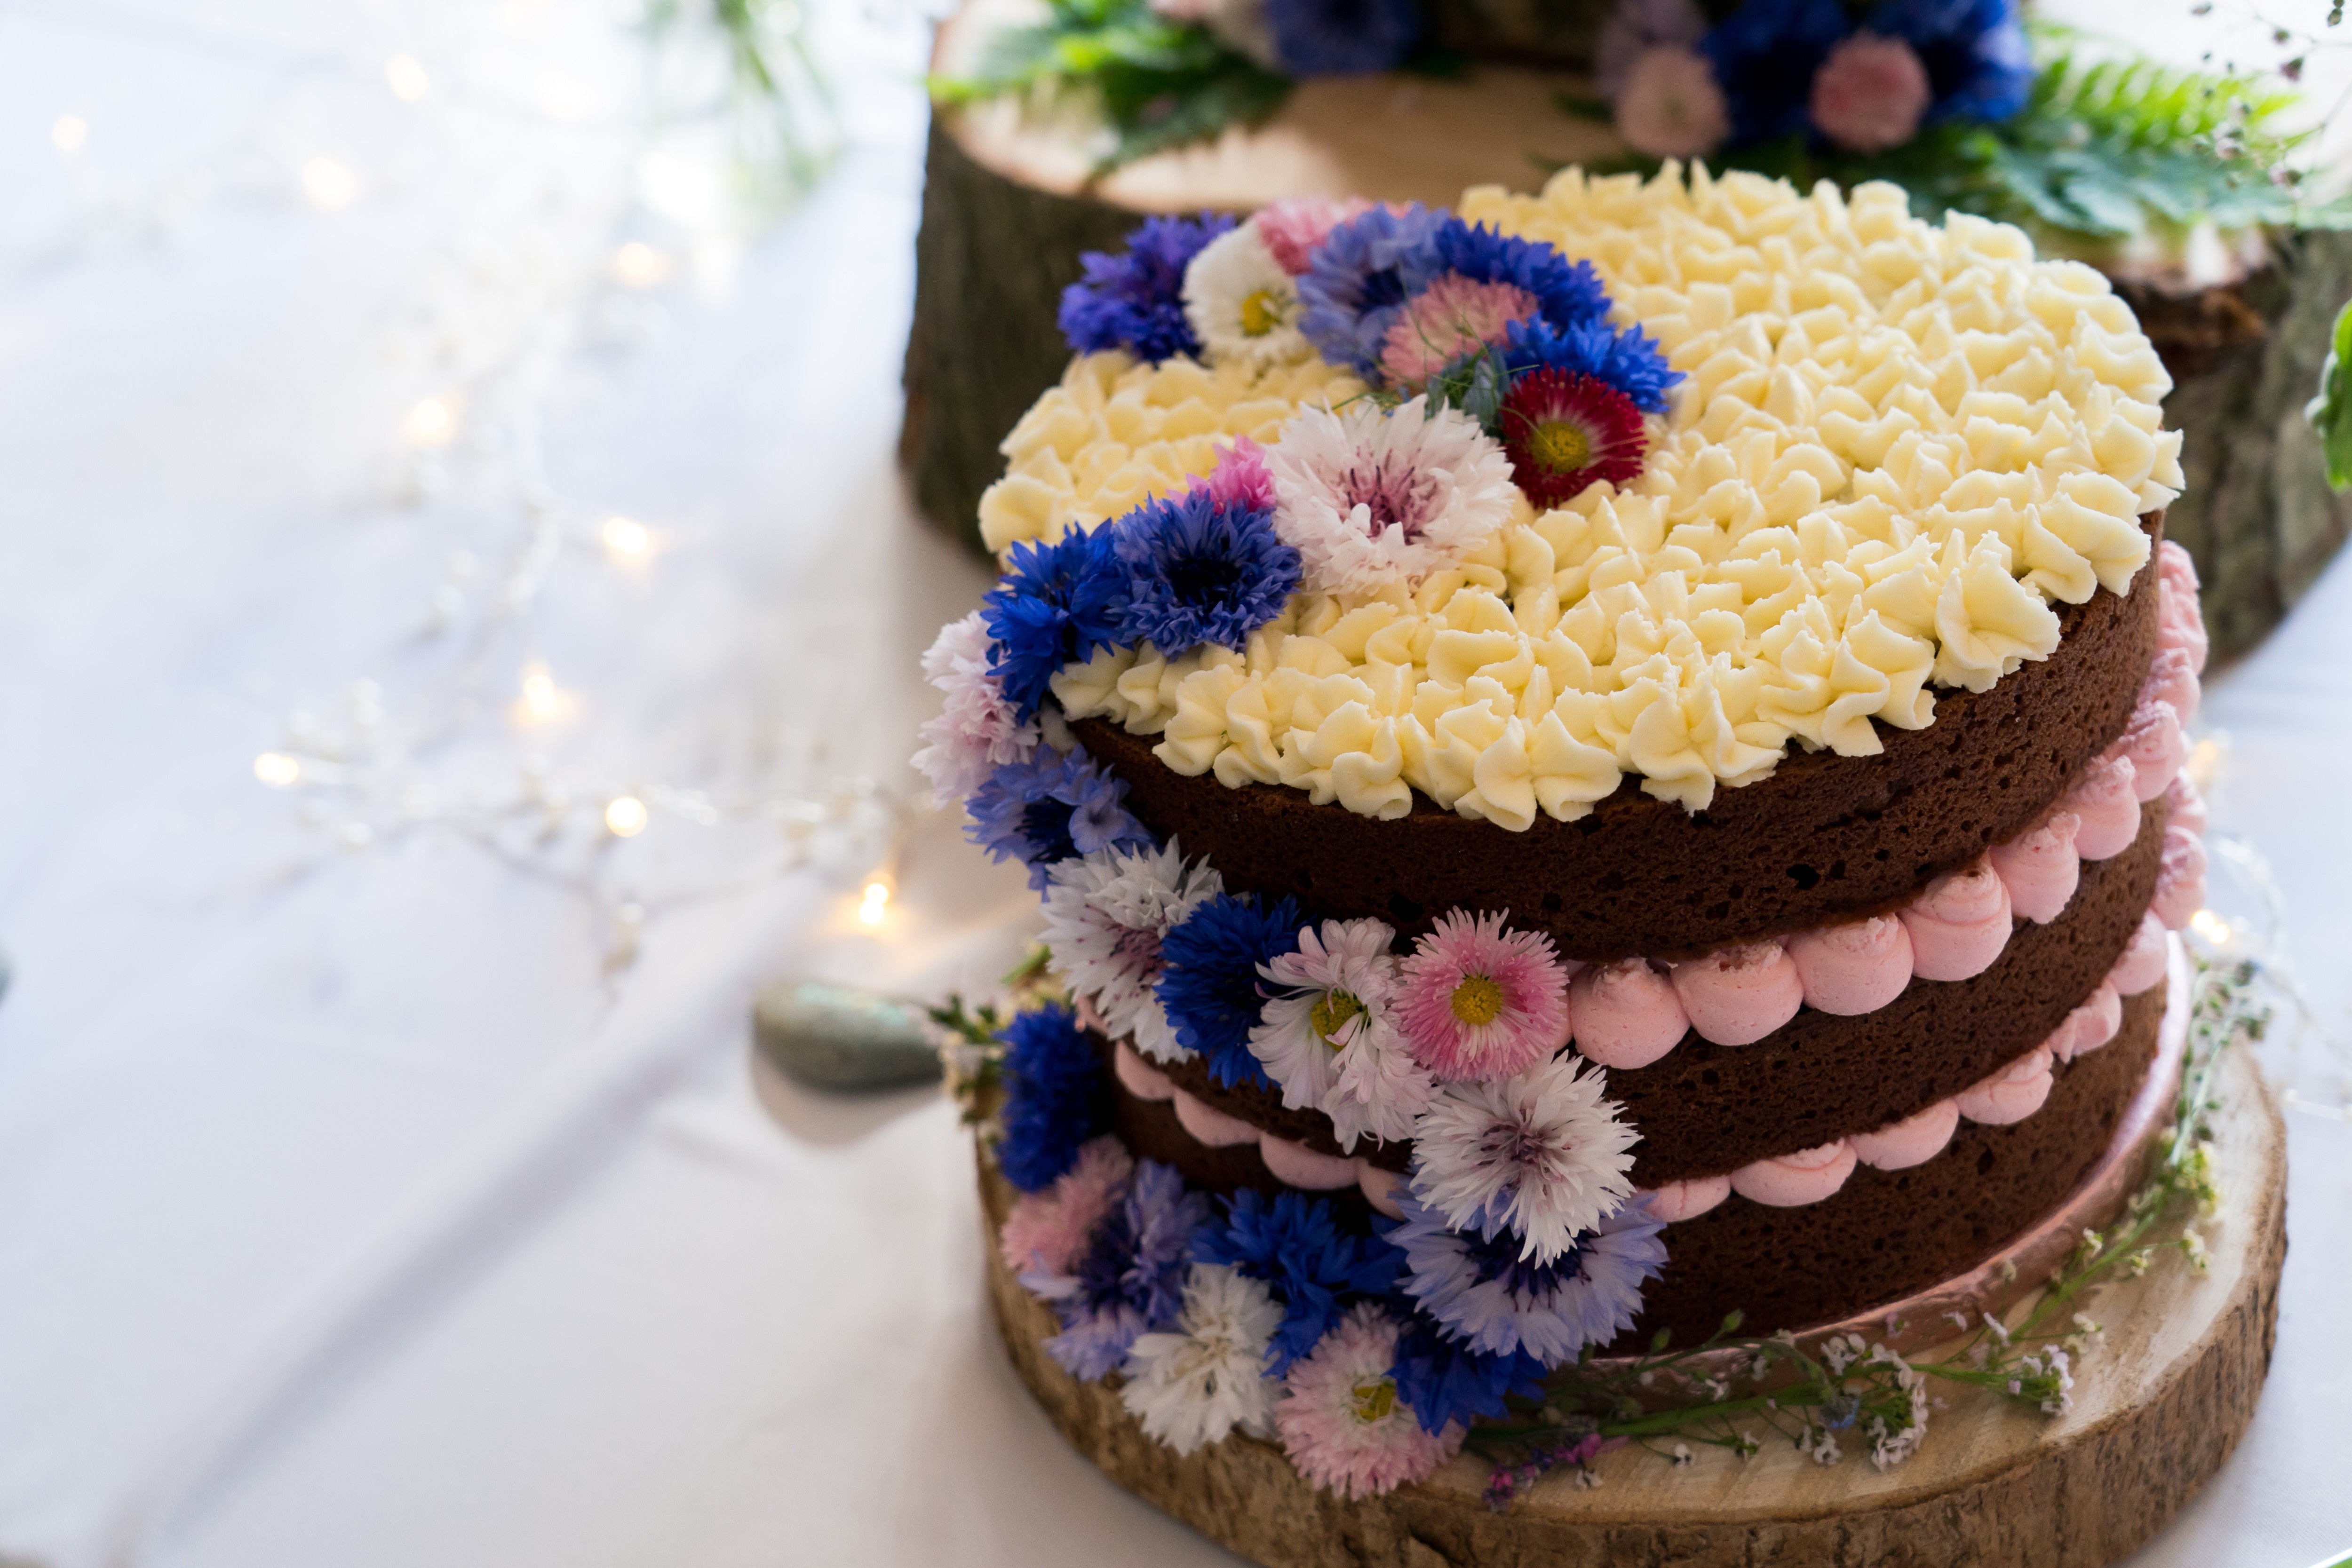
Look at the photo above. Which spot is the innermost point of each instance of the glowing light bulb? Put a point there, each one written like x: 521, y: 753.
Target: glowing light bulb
x: 329, y: 185
x: 2210, y: 926
x: 70, y: 132
x: 626, y: 539
x: 639, y: 264
x: 404, y: 75
x: 874, y: 905
x: 277, y: 769
x: 625, y: 816
x: 543, y: 701
x: 432, y: 421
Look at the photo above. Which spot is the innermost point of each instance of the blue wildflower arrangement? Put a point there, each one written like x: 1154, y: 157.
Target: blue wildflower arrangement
x: 1359, y: 281
x: 1051, y: 808
x: 1297, y: 1246
x: 1055, y: 603
x: 1057, y: 1096
x: 1210, y: 983
x: 1201, y: 570
x: 1135, y: 299
x: 1131, y: 1281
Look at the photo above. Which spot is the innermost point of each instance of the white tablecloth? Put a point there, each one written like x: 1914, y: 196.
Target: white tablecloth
x: 362, y: 1204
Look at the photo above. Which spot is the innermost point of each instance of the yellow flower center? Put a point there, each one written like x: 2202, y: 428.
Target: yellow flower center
x: 1477, y: 1001
x: 1374, y: 1401
x: 1332, y: 1011
x: 1261, y: 313
x: 1561, y: 446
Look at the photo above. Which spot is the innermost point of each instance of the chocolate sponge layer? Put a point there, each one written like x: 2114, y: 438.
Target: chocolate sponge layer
x: 1823, y: 836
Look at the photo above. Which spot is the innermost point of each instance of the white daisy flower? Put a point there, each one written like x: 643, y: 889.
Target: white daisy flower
x: 1541, y: 1152
x: 1192, y: 1386
x: 1242, y: 305
x: 1330, y: 1040
x: 1369, y: 497
x: 1106, y: 915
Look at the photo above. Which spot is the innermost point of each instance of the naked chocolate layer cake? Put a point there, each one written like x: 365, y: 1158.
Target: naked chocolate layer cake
x: 1594, y: 762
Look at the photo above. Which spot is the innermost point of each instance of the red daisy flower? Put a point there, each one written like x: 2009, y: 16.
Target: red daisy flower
x: 1565, y: 430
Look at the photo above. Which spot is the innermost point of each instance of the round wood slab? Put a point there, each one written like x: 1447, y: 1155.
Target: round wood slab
x: 2158, y: 1404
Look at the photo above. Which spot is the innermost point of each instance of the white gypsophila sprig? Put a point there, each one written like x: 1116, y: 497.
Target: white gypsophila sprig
x: 976, y: 730
x: 1327, y: 1036
x: 1243, y: 305
x: 1540, y: 1152
x: 1195, y: 1383
x: 1370, y: 498
x: 1891, y: 1446
x: 1106, y: 915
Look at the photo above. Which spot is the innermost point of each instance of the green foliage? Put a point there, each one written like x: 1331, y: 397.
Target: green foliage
x: 2331, y: 412
x: 1157, y: 83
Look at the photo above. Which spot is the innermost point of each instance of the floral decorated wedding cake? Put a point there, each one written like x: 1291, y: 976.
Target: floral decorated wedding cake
x: 1595, y: 763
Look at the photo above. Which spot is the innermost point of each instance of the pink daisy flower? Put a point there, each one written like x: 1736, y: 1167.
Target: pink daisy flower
x: 1292, y: 228
x: 1480, y: 1002
x: 1447, y: 320
x: 1049, y: 1231
x: 1345, y: 1425
x: 1564, y: 430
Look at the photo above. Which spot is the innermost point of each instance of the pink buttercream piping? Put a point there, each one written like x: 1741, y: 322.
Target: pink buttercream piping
x: 1959, y: 924
x: 1212, y: 1126
x: 2172, y: 678
x: 1379, y: 1188
x: 2155, y: 745
x: 1142, y: 1079
x: 1785, y: 1181
x: 2090, y: 1026
x: 2184, y: 807
x: 2146, y: 955
x: 2039, y: 867
x: 1295, y: 1164
x: 1737, y: 995
x: 1626, y: 1013
x: 2105, y: 798
x: 2179, y: 878
x: 1687, y: 1200
x: 2180, y: 620
x: 1913, y: 1141
x: 1854, y: 967
x: 2011, y: 1095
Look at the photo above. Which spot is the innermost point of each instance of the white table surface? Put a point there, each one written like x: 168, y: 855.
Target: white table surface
x: 348, y: 1214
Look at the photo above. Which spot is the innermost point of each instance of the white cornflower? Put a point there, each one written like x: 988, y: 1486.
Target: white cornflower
x: 975, y: 732
x: 1106, y: 915
x: 1192, y: 1386
x: 1242, y: 305
x: 1328, y: 1037
x: 1540, y: 1152
x: 1369, y: 497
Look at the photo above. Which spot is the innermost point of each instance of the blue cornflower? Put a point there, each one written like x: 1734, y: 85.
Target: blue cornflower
x: 1209, y: 979
x: 1360, y: 276
x: 1200, y: 572
x: 1765, y: 55
x: 1055, y: 603
x: 1481, y: 1289
x: 1131, y: 1281
x: 1056, y: 1096
x: 1135, y: 300
x: 1444, y: 1380
x: 1567, y: 294
x: 1978, y: 64
x: 1051, y: 809
x: 1627, y: 360
x: 1342, y: 37
x: 1294, y: 1244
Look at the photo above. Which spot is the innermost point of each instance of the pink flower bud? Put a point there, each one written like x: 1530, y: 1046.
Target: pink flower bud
x: 1869, y: 95
x: 1670, y: 106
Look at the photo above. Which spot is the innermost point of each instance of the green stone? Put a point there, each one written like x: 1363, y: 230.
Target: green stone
x: 835, y: 1037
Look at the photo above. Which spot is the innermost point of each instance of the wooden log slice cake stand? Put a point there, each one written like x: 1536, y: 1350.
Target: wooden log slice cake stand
x: 2159, y: 1403
x: 1010, y: 201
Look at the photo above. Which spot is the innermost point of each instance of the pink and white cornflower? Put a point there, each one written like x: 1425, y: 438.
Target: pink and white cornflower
x: 1193, y: 1385
x: 1243, y: 305
x: 1453, y: 316
x: 1326, y: 1034
x: 976, y: 733
x: 1478, y: 1001
x: 1542, y: 1154
x: 1369, y: 497
x: 1106, y: 915
x: 1671, y: 105
x: 1295, y: 226
x: 1241, y: 480
x: 1345, y: 1425
x: 1049, y: 1231
x: 1870, y: 94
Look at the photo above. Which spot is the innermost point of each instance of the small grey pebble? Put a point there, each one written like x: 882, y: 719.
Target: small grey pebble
x: 843, y: 1037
